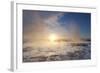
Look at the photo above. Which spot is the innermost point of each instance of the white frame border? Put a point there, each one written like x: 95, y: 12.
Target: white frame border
x: 16, y: 64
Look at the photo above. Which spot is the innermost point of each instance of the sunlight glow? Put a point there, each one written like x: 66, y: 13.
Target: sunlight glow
x: 53, y: 37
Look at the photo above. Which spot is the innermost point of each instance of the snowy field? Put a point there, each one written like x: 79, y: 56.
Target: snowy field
x: 39, y: 52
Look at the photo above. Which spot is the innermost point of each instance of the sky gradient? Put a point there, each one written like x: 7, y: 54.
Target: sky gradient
x: 62, y: 23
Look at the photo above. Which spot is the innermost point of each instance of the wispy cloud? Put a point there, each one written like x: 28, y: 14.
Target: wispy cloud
x: 44, y: 24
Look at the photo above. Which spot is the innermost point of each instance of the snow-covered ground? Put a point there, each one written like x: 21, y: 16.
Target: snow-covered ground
x: 56, y: 52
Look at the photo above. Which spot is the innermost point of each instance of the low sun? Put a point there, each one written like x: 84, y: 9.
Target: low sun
x: 52, y: 37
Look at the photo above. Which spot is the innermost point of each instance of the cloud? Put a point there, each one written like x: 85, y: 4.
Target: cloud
x: 43, y: 23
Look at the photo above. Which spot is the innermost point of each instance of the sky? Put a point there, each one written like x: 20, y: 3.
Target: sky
x: 39, y: 24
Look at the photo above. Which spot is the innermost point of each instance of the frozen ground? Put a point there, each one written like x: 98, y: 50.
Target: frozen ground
x: 57, y: 52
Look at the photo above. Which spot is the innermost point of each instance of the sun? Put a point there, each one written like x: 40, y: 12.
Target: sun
x: 53, y: 37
